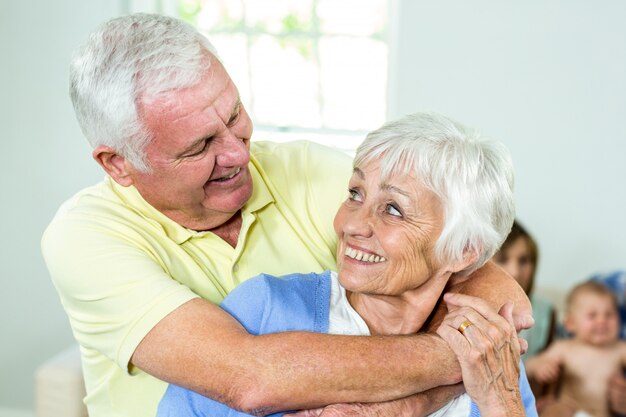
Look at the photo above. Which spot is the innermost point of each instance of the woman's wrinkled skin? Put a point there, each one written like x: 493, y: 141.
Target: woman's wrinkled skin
x: 488, y: 351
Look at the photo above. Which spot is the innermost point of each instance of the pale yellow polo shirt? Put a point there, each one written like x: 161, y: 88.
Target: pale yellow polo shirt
x: 120, y: 266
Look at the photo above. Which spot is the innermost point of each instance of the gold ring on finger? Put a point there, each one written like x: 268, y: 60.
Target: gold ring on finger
x: 466, y: 323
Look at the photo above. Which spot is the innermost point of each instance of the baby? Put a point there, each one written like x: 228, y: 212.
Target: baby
x: 589, y: 359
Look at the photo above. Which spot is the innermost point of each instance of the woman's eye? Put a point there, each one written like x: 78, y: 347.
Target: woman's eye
x: 354, y: 195
x: 393, y: 210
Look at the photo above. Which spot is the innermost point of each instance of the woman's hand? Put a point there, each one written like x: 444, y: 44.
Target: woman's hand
x: 488, y: 351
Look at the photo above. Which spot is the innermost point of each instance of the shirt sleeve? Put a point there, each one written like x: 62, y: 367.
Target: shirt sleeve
x: 111, y: 283
x: 247, y: 303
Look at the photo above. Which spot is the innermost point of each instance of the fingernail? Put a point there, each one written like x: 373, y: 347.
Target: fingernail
x: 529, y: 320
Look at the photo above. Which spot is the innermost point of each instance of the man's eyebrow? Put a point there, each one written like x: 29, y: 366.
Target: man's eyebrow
x: 359, y: 173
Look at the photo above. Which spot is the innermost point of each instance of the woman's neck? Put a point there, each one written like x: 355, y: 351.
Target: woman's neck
x: 399, y: 314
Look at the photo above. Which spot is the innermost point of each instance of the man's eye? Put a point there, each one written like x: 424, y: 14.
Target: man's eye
x: 201, y: 151
x: 234, y: 118
x: 393, y: 210
x: 354, y: 195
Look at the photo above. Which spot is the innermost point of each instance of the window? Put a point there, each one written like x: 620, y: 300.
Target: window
x: 306, y: 69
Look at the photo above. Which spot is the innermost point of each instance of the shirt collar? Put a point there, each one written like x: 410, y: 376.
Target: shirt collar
x: 261, y: 197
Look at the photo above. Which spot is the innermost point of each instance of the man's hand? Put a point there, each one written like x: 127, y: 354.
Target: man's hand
x: 617, y: 394
x: 418, y: 405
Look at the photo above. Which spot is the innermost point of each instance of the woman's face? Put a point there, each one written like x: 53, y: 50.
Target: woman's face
x: 387, y: 231
x: 517, y: 261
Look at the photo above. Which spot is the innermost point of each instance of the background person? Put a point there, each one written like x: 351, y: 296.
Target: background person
x: 585, y: 363
x: 189, y: 209
x: 518, y: 256
x: 407, y: 232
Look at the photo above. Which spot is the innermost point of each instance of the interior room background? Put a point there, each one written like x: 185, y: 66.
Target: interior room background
x: 546, y: 78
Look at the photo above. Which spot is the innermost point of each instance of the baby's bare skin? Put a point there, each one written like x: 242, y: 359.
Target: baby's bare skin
x: 586, y: 363
x: 586, y: 371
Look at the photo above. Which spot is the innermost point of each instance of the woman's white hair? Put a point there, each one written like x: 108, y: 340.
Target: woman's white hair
x: 472, y: 177
x: 128, y: 59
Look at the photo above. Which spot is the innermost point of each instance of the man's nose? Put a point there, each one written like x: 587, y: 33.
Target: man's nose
x: 233, y: 152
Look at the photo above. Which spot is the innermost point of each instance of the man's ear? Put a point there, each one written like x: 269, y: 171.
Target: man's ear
x: 114, y: 164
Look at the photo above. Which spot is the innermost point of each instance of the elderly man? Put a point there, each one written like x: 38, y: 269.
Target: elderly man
x: 189, y: 209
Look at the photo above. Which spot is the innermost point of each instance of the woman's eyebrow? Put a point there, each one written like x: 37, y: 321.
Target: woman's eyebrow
x: 394, y: 189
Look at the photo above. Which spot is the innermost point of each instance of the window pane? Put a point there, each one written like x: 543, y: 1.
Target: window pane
x: 352, y: 17
x: 354, y: 82
x: 220, y: 15
x: 232, y: 49
x: 301, y: 66
x: 284, y: 82
x: 279, y: 16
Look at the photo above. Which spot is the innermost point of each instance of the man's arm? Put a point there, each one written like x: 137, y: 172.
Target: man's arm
x: 417, y: 405
x: 209, y: 352
x: 492, y: 284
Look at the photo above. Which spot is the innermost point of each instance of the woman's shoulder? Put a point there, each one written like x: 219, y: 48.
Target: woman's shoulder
x: 279, y: 287
x: 268, y: 303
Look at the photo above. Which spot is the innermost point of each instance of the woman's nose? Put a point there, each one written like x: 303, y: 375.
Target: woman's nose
x: 233, y: 152
x: 359, y: 223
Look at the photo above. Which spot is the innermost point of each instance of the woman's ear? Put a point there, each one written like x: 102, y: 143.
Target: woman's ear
x: 114, y: 164
x: 469, y: 257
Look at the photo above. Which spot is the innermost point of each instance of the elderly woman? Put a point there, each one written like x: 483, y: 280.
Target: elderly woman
x: 428, y: 203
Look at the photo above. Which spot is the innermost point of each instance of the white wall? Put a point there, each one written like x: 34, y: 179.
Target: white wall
x: 548, y: 78
x: 45, y: 160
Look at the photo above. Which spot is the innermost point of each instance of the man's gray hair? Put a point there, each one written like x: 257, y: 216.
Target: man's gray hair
x: 472, y: 177
x: 125, y: 60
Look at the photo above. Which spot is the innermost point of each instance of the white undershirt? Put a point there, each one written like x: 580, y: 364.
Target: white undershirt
x: 343, y: 319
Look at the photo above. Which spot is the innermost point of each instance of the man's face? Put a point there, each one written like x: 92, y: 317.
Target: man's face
x: 199, y: 155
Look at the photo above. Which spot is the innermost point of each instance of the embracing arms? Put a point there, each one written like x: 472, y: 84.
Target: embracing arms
x: 210, y: 353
